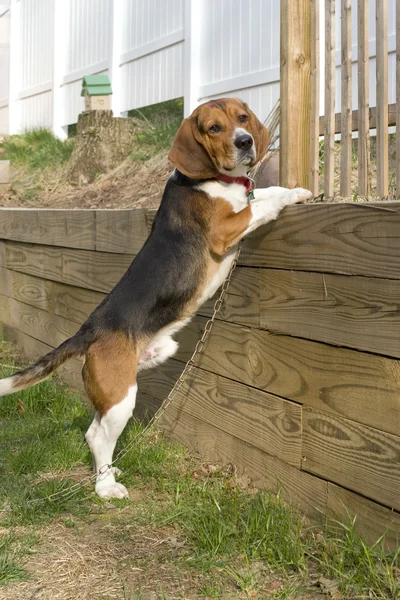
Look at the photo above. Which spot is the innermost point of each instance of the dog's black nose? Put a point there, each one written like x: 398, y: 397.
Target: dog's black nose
x: 244, y: 141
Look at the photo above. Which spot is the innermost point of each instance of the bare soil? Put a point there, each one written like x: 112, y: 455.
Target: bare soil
x: 140, y: 184
x: 130, y: 185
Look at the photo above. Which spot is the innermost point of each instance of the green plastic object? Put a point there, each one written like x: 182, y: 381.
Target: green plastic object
x: 96, y: 85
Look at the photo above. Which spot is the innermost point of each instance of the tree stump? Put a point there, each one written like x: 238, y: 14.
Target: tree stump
x: 101, y: 144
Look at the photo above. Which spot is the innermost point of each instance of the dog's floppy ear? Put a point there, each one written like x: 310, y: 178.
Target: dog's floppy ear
x: 259, y: 133
x: 188, y: 155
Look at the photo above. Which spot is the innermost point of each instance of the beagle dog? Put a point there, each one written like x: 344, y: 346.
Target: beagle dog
x: 205, y: 211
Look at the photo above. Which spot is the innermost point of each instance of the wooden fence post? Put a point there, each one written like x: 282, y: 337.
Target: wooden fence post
x: 295, y: 93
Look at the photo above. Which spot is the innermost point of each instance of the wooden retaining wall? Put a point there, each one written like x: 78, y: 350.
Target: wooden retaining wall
x: 299, y: 384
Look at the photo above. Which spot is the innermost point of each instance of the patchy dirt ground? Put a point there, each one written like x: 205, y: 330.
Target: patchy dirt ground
x: 131, y: 184
x: 140, y: 184
x: 107, y: 558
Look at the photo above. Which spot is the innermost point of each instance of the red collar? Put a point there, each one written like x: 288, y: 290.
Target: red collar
x: 246, y: 181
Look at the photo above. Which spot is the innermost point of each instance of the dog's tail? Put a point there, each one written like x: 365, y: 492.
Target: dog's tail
x: 37, y: 372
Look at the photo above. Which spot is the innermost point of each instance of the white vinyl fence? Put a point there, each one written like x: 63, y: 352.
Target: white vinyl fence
x: 153, y: 50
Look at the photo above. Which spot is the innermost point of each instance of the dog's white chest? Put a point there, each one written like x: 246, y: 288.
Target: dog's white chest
x: 234, y: 193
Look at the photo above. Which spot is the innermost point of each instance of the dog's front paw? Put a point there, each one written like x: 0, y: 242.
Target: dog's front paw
x: 111, y: 490
x: 296, y: 195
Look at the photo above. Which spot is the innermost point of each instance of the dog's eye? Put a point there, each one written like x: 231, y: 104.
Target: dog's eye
x: 243, y: 118
x: 214, y: 129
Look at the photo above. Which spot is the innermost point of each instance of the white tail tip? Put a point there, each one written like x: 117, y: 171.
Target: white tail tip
x: 6, y: 386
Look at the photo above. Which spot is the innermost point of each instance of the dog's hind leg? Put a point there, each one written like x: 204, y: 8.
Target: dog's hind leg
x: 110, y: 381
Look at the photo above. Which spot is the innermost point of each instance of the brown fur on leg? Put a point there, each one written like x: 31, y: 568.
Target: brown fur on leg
x: 110, y: 370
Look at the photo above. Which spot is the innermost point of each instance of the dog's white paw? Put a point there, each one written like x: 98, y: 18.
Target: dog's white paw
x: 112, y: 490
x: 296, y: 195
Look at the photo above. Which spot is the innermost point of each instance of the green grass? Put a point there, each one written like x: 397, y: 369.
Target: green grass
x: 36, y: 149
x: 237, y: 540
x: 156, y: 128
x: 12, y: 552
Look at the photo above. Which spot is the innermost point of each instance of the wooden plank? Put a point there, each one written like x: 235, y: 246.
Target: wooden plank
x: 294, y: 159
x: 347, y: 383
x: 382, y: 142
x: 150, y: 216
x: 47, y: 328
x: 352, y: 239
x: 359, y: 458
x: 372, y: 519
x: 346, y: 101
x: 357, y: 312
x: 98, y: 271
x: 330, y: 74
x: 67, y: 301
x: 306, y: 492
x: 241, y: 303
x: 2, y: 254
x: 76, y: 304
x: 157, y: 383
x: 363, y: 100
x: 235, y: 309
x: 120, y: 231
x: 356, y: 118
x: 54, y: 227
x: 397, y: 99
x: 314, y: 96
x: 32, y: 349
x: 267, y: 422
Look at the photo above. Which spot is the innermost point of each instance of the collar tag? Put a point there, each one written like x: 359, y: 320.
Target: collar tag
x: 250, y: 193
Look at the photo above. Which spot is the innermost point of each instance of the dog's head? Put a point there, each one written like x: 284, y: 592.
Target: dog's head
x: 218, y: 136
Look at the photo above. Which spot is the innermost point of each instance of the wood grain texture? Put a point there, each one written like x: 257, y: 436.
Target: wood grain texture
x: 373, y: 520
x: 314, y: 97
x: 98, y: 271
x: 158, y: 382
x: 357, y: 312
x: 76, y: 303
x: 397, y: 105
x: 363, y: 99
x: 32, y: 349
x: 307, y: 492
x: 330, y: 77
x: 352, y: 384
x: 120, y: 231
x: 2, y: 254
x: 294, y: 157
x: 382, y: 142
x: 53, y: 227
x: 255, y: 417
x: 353, y: 239
x: 359, y: 458
x: 346, y: 100
x: 47, y: 328
x: 356, y: 116
x: 67, y: 301
x: 242, y: 302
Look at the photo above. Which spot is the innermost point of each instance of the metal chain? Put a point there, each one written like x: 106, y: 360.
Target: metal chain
x: 138, y: 438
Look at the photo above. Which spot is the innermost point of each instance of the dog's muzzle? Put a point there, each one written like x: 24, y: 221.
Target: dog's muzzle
x: 245, y: 148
